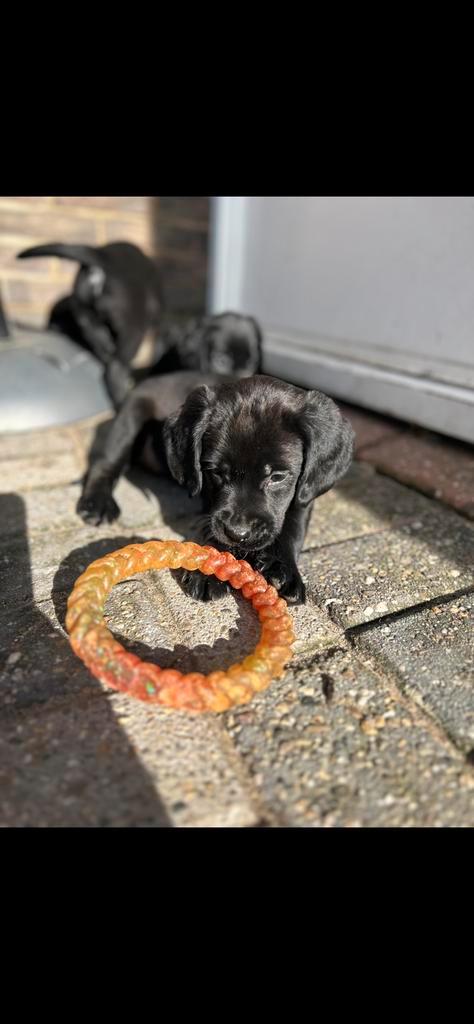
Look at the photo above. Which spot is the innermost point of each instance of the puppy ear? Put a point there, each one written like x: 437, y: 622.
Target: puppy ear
x: 183, y: 432
x: 328, y: 446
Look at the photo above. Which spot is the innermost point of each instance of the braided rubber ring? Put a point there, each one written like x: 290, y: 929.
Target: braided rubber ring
x: 92, y: 641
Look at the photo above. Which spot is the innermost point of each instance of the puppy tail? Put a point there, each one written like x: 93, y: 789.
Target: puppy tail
x: 86, y: 255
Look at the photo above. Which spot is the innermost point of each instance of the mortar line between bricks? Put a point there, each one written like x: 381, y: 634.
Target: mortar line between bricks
x: 317, y: 658
x: 244, y: 776
x: 414, y: 609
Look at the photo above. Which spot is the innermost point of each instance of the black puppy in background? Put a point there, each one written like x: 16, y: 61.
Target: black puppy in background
x: 116, y: 299
x: 258, y: 450
x: 226, y: 343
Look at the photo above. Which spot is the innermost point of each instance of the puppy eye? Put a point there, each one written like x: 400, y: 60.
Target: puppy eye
x: 277, y: 477
x: 216, y: 477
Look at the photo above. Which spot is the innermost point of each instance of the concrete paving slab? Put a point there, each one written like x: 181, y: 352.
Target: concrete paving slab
x: 430, y: 655
x: 333, y: 745
x: 362, y: 503
x: 100, y: 762
x: 366, y: 578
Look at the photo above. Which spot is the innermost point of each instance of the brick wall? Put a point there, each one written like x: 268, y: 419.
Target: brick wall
x: 173, y: 229
x: 180, y: 239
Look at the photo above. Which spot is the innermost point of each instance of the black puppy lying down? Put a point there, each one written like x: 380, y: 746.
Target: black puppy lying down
x: 116, y: 299
x: 258, y: 451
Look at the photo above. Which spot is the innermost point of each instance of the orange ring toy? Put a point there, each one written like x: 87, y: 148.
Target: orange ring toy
x: 92, y: 641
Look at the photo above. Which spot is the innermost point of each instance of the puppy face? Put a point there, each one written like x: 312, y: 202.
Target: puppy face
x: 250, y: 472
x: 226, y: 344
x: 253, y: 448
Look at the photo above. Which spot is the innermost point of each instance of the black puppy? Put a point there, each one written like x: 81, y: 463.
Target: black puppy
x: 258, y: 450
x: 227, y: 343
x: 116, y: 299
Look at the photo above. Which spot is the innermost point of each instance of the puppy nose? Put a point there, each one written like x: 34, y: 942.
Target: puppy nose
x: 238, y: 530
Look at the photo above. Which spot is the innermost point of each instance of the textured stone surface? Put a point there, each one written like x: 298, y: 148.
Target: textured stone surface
x: 36, y: 659
x: 47, y: 470
x: 192, y: 763
x: 59, y: 557
x: 47, y: 509
x: 430, y: 654
x: 39, y: 442
x: 314, y: 632
x: 369, y: 577
x: 52, y: 561
x: 362, y: 503
x: 333, y: 745
x: 98, y: 761
x: 73, y: 766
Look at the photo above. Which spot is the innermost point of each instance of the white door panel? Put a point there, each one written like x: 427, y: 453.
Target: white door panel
x: 373, y: 294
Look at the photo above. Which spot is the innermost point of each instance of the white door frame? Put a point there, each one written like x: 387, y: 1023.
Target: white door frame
x: 228, y: 215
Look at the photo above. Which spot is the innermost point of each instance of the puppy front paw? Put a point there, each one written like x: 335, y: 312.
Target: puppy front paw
x: 98, y: 507
x: 293, y: 590
x: 287, y: 580
x: 199, y: 586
